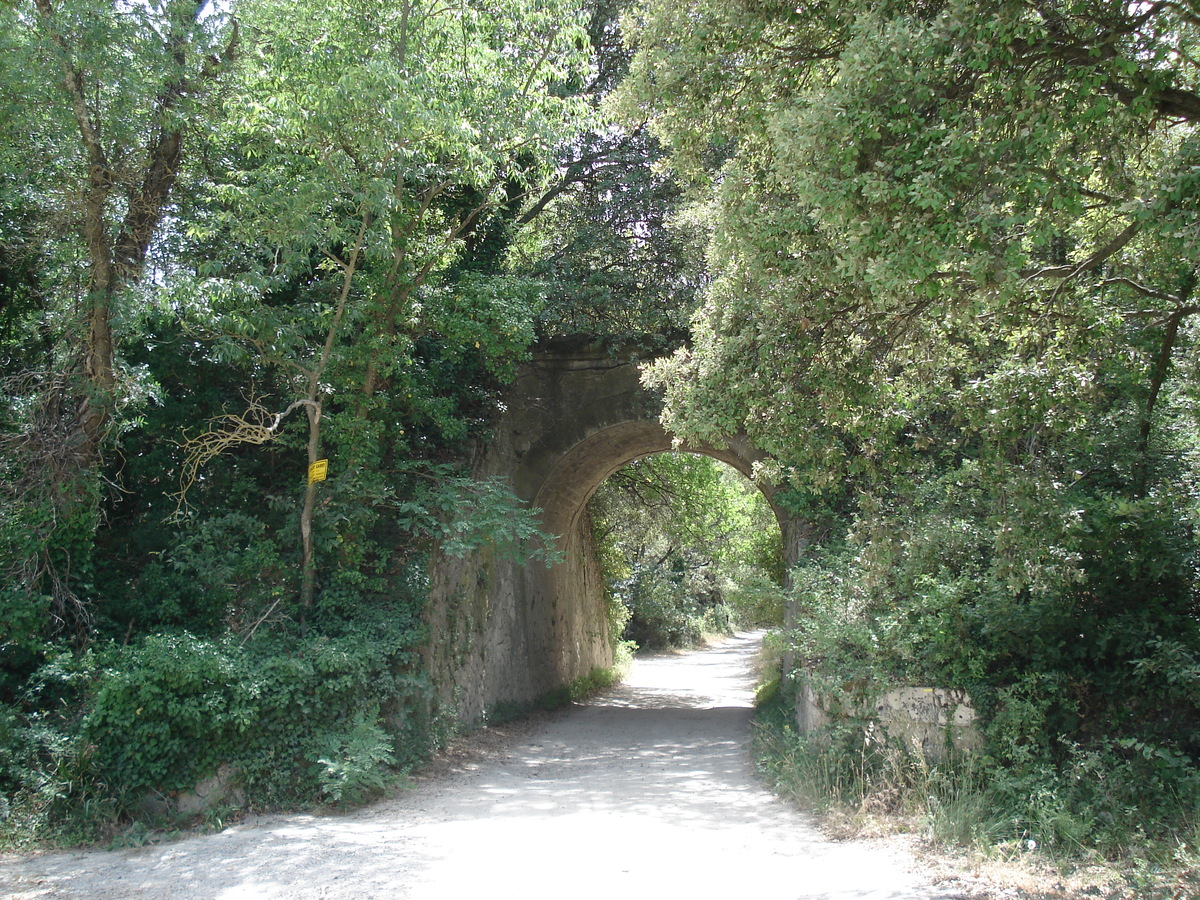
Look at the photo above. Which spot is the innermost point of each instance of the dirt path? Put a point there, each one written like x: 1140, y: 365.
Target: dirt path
x: 644, y: 792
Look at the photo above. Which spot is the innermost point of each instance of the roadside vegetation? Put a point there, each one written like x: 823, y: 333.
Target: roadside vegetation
x: 1096, y: 827
x: 237, y: 239
x: 938, y: 259
x: 688, y: 548
x: 953, y: 250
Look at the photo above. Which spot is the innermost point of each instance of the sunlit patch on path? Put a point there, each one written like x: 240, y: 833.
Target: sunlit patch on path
x: 645, y: 791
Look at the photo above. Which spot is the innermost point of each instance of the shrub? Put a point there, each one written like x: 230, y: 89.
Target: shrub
x: 216, y: 573
x: 324, y: 717
x: 167, y: 711
x: 1072, y: 620
x: 354, y: 763
x: 756, y: 600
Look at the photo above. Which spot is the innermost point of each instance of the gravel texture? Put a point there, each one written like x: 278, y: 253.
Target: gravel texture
x: 646, y: 791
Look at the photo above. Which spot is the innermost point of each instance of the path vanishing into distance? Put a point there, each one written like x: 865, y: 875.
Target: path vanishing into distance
x: 646, y: 791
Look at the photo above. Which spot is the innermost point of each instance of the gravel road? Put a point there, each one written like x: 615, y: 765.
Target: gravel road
x: 646, y: 791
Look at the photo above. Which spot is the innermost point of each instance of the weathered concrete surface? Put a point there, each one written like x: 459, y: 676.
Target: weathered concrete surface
x: 502, y: 632
x: 927, y: 720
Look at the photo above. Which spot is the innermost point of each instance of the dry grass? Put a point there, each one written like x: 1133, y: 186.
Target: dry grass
x: 944, y: 821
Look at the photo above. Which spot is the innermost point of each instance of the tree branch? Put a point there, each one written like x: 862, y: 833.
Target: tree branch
x: 1075, y: 269
x: 148, y: 203
x: 1142, y: 289
x: 254, y: 426
x: 576, y: 171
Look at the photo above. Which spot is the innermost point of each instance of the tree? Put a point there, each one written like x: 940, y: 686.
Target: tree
x: 374, y: 144
x: 609, y: 237
x: 106, y: 94
x: 683, y: 541
x: 1017, y: 186
x: 306, y: 251
x: 954, y: 253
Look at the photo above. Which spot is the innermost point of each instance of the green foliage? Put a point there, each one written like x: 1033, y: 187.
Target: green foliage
x: 1104, y: 798
x: 953, y: 260
x: 215, y: 573
x: 1091, y: 736
x: 328, y: 716
x: 463, y: 514
x: 105, y: 100
x: 891, y: 253
x: 666, y: 606
x: 344, y: 223
x: 686, y: 545
x: 165, y: 712
x: 608, y: 237
x: 756, y: 600
x: 353, y: 764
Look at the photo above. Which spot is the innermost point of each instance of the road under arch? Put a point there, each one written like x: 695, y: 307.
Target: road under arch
x: 502, y: 632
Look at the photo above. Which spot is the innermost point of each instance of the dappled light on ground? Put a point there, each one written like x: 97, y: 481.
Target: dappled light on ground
x: 646, y: 791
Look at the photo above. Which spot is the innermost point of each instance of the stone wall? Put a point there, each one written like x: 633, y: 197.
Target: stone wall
x: 933, y: 720
x: 506, y: 633
x: 502, y: 632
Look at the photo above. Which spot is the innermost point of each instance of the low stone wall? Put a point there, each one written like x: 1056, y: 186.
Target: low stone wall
x: 933, y: 720
x: 220, y: 789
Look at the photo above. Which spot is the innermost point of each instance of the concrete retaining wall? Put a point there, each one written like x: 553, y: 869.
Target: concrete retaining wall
x: 933, y: 720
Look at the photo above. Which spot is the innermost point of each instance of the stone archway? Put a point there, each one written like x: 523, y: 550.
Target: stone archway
x: 507, y: 633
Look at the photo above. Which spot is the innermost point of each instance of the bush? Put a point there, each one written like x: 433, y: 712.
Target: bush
x: 325, y: 717
x: 1071, y: 619
x: 354, y: 763
x: 216, y: 573
x: 756, y: 600
x: 167, y: 711
x: 663, y: 612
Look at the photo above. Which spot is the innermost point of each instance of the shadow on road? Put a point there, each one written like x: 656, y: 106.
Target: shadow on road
x: 647, y: 791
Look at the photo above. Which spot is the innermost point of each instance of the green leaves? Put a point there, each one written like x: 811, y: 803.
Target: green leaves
x: 907, y: 183
x: 355, y: 763
x: 686, y: 545
x: 463, y: 514
x: 951, y: 247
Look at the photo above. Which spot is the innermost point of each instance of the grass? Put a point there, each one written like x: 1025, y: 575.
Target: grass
x: 861, y: 787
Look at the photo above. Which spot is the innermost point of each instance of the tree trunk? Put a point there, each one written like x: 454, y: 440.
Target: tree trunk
x: 1158, y: 376
x: 88, y: 401
x: 313, y: 406
x: 308, y: 579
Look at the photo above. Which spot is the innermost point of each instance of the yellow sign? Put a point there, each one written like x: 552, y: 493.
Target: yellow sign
x: 318, y: 470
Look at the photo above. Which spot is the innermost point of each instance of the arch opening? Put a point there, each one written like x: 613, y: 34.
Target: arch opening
x: 687, y: 546
x: 579, y: 472
x: 509, y: 632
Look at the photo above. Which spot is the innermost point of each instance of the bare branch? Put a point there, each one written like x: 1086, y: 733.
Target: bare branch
x: 256, y: 426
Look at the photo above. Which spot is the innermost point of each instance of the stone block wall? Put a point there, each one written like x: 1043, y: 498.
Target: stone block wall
x: 504, y: 632
x: 501, y: 632
x: 932, y: 720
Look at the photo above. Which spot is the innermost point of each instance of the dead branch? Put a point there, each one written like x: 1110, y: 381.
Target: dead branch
x: 256, y: 426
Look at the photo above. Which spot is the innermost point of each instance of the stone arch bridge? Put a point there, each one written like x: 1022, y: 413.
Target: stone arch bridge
x: 507, y: 633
